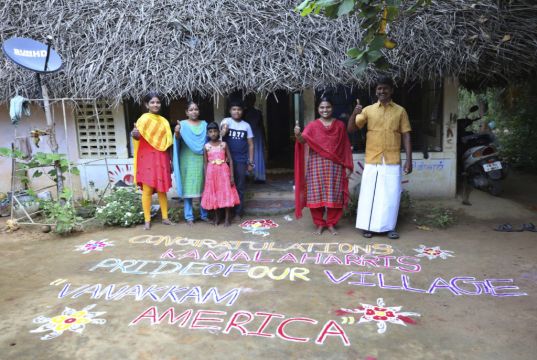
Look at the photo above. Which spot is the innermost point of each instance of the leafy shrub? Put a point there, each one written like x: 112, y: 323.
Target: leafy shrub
x: 123, y: 208
x: 176, y: 214
x: 63, y: 214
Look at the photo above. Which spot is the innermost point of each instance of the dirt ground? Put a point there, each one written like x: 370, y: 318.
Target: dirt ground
x: 281, y: 293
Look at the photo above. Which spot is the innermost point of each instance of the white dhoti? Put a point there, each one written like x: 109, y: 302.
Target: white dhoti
x: 380, y: 195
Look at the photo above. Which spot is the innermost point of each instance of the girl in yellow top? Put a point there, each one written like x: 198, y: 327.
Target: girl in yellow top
x: 152, y: 166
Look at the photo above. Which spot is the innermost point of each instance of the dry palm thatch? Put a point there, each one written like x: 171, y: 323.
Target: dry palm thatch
x: 121, y: 48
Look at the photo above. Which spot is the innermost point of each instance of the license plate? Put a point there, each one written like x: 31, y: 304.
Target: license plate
x: 497, y: 165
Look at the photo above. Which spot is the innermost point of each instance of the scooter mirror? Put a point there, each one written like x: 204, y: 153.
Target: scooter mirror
x: 474, y: 108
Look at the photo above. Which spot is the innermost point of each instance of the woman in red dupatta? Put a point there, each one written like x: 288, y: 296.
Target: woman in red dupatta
x: 323, y: 164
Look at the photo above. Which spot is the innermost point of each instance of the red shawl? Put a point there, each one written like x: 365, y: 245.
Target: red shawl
x: 331, y: 143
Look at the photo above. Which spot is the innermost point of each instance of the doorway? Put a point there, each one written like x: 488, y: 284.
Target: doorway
x: 280, y: 123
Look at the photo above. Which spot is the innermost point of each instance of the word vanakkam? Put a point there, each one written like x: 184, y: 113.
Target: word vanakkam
x: 157, y: 293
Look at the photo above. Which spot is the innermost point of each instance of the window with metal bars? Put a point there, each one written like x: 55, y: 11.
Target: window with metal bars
x: 95, y: 130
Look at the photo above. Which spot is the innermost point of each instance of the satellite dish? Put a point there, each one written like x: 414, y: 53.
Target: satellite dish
x: 32, y: 55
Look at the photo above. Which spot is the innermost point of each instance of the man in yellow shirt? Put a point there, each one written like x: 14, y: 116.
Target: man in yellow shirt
x: 380, y: 190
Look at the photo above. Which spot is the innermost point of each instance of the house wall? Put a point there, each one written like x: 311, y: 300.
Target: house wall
x: 66, y: 141
x: 93, y: 172
x: 432, y: 177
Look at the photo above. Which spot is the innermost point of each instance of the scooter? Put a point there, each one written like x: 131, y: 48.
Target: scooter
x: 481, y: 163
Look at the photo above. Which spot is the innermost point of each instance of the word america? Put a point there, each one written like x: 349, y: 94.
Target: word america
x: 257, y: 322
x: 328, y: 248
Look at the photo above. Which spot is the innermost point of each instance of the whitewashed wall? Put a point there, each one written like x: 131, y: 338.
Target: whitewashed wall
x: 36, y: 121
x: 67, y: 141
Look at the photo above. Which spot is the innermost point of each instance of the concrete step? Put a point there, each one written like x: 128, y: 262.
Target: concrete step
x: 269, y: 195
x: 271, y: 207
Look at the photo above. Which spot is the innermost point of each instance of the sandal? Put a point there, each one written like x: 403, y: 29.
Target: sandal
x: 367, y: 234
x: 393, y: 235
x: 147, y: 226
x: 167, y: 222
x: 507, y: 228
x: 529, y: 227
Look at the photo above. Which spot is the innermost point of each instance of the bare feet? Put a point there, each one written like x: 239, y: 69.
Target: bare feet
x: 167, y: 222
x: 147, y: 225
x: 319, y: 230
x: 190, y: 223
x: 332, y: 230
x: 227, y: 223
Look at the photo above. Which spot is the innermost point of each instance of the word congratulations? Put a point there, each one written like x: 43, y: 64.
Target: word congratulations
x: 461, y: 285
x: 155, y: 268
x: 401, y: 263
x: 328, y: 248
x: 236, y: 323
x: 175, y: 294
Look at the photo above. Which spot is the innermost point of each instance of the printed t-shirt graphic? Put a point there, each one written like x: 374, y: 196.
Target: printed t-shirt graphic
x: 237, y: 139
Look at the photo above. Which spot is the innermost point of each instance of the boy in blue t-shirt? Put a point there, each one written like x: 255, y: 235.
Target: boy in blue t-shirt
x: 239, y: 137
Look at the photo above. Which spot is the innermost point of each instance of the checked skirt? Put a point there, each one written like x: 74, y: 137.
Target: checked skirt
x: 324, y: 181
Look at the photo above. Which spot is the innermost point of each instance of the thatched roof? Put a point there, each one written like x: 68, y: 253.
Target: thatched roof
x: 122, y: 48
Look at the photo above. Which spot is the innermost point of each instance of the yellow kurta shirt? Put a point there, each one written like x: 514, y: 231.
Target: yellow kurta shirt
x: 385, y: 124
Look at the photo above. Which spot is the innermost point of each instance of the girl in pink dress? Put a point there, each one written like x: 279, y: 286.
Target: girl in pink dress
x: 219, y: 191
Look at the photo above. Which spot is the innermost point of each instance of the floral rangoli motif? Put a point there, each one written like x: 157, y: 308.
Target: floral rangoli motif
x: 258, y: 226
x: 433, y: 252
x: 93, y: 245
x: 381, y: 314
x: 70, y: 319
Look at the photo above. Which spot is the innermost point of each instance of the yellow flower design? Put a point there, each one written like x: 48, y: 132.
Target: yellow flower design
x: 65, y: 322
x: 70, y: 319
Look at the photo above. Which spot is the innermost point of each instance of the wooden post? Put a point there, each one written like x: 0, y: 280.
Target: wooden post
x: 52, y: 136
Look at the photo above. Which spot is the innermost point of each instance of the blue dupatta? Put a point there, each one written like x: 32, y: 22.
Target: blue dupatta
x: 195, y: 142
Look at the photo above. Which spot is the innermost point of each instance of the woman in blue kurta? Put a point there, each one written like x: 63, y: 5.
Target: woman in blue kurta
x: 190, y: 137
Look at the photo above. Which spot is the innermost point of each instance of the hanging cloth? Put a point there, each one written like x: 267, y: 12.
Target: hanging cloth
x: 18, y: 106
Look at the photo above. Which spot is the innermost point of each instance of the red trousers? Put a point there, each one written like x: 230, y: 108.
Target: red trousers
x: 332, y: 216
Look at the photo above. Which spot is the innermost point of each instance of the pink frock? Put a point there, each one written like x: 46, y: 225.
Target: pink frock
x: 218, y: 192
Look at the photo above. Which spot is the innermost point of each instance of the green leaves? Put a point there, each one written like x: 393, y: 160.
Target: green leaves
x: 6, y: 152
x: 345, y: 7
x: 355, y: 53
x: 63, y: 215
x: 376, y: 14
x: 39, y: 161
